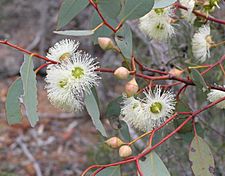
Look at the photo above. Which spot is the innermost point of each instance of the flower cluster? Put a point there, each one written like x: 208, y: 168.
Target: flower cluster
x: 157, y: 24
x: 149, y: 112
x: 70, y: 79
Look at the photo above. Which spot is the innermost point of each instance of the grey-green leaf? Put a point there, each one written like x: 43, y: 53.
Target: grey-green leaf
x: 110, y: 8
x: 13, y: 112
x: 75, y: 32
x: 153, y: 166
x: 198, y: 80
x: 124, y: 41
x: 93, y: 111
x: 110, y: 171
x: 201, y: 158
x: 163, y: 3
x: 132, y: 9
x: 69, y: 9
x: 29, y: 81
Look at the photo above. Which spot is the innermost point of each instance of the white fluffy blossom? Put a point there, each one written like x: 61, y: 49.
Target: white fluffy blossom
x: 201, y: 43
x: 132, y: 112
x: 158, y: 106
x: 81, y: 68
x: 157, y: 24
x: 150, y: 113
x: 188, y: 15
x: 60, y: 90
x: 68, y: 81
x: 215, y: 95
x: 62, y: 50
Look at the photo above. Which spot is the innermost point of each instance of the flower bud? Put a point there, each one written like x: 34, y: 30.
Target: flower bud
x: 131, y: 87
x: 121, y: 73
x: 114, y: 142
x: 105, y: 43
x: 125, y: 151
x: 176, y: 72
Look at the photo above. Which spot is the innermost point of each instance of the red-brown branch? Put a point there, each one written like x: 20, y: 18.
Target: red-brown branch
x: 178, y: 5
x: 102, y: 18
x: 5, y: 42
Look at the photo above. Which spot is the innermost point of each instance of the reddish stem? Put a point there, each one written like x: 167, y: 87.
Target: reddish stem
x: 142, y: 67
x: 5, y: 42
x: 42, y: 66
x: 178, y: 5
x: 213, y: 65
x: 139, y: 168
x: 180, y: 91
x: 101, y: 16
x: 97, y: 171
x: 194, y: 127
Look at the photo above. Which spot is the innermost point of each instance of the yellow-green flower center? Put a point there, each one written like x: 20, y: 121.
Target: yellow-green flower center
x: 160, y: 26
x: 135, y: 105
x: 64, y: 56
x: 77, y: 72
x: 63, y: 83
x: 159, y: 11
x: 156, y: 108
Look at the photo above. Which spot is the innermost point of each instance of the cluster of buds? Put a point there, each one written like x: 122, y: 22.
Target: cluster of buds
x: 131, y: 86
x: 124, y: 149
x: 121, y: 73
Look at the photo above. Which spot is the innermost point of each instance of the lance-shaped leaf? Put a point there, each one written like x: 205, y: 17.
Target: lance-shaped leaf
x: 110, y: 8
x: 132, y: 9
x: 69, y: 9
x: 124, y: 41
x: 75, y: 32
x: 28, y: 77
x: 13, y: 112
x: 110, y: 171
x: 202, y: 162
x: 163, y: 3
x: 153, y: 166
x: 93, y: 111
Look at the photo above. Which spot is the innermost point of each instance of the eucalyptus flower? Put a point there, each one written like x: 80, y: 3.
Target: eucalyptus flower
x: 158, y: 106
x: 157, y: 24
x: 201, y: 43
